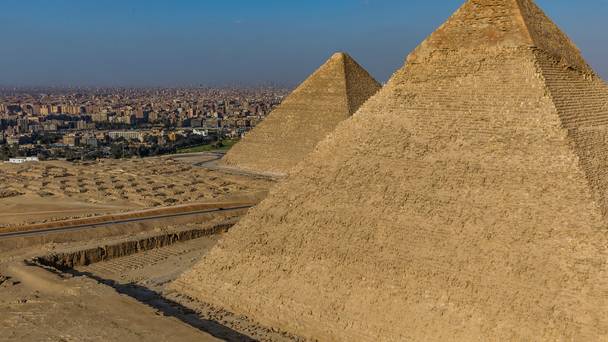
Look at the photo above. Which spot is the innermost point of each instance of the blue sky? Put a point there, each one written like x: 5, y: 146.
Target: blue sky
x: 224, y: 42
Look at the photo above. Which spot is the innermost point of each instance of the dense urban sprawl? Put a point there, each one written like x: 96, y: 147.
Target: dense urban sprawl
x: 99, y: 123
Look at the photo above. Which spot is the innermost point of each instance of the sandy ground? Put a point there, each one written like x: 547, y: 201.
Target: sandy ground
x: 36, y: 305
x: 55, y: 190
x: 146, y: 276
x: 124, y: 299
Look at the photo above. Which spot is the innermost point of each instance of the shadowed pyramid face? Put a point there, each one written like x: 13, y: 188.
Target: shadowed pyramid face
x: 466, y: 200
x: 332, y: 94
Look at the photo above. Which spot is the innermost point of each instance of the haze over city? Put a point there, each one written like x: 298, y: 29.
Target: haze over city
x: 237, y: 42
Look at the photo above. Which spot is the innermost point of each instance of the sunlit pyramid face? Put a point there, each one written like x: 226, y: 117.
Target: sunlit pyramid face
x: 464, y: 201
x: 330, y: 95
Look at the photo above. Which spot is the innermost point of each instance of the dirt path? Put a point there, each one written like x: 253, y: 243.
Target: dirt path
x: 133, y: 217
x: 213, y: 165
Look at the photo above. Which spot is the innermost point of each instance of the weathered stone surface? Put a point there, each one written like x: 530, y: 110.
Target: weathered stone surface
x: 332, y: 94
x: 85, y: 257
x: 465, y: 201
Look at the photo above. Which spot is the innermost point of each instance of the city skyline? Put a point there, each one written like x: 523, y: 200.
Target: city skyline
x: 139, y: 43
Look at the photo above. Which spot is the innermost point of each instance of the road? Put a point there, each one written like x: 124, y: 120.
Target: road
x: 211, y: 164
x: 115, y: 222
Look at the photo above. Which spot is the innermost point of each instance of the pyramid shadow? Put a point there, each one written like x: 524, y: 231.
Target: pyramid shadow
x: 168, y: 307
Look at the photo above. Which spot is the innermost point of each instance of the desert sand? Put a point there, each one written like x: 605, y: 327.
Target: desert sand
x: 124, y: 297
x: 45, y: 304
x: 54, y: 190
x: 36, y: 305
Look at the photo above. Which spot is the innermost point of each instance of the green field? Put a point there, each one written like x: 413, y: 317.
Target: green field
x: 226, y: 145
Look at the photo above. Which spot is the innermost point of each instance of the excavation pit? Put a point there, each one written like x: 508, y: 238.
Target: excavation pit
x: 143, y: 267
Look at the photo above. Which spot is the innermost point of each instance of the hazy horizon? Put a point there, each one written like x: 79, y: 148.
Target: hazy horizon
x: 137, y: 43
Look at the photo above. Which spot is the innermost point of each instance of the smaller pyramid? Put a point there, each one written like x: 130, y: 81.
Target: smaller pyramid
x: 333, y: 93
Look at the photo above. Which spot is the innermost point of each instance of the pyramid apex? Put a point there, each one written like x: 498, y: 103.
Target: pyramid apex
x: 340, y: 56
x: 330, y: 95
x: 479, y: 24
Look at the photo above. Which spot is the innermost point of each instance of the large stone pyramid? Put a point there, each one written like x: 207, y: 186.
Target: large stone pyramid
x: 466, y: 201
x: 330, y: 95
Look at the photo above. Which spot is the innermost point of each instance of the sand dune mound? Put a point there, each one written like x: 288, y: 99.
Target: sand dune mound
x: 465, y: 201
x: 44, y: 190
x: 8, y: 193
x: 4, y: 280
x: 330, y: 95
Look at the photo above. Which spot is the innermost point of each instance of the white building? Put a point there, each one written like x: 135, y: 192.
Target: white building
x: 16, y: 160
x: 23, y: 160
x: 201, y: 132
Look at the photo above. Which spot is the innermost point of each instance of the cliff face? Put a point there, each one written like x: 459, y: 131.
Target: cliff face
x: 332, y: 94
x: 465, y: 201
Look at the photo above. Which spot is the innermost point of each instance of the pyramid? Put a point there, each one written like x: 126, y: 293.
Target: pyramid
x: 465, y: 201
x: 331, y: 94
